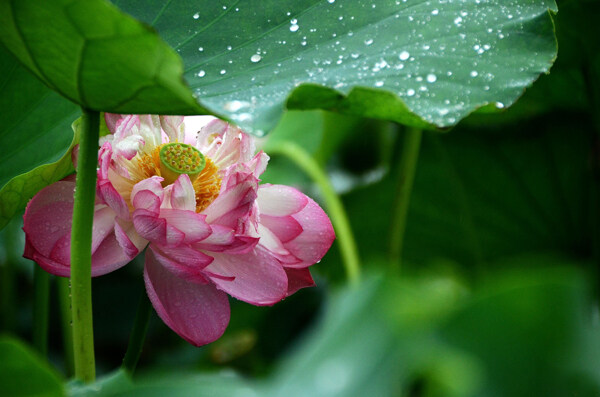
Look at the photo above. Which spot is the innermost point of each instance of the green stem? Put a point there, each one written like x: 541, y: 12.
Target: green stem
x: 138, y: 334
x: 8, y: 275
x: 81, y: 248
x: 333, y: 203
x: 41, y: 305
x: 405, y: 174
x: 7, y: 280
x: 64, y: 299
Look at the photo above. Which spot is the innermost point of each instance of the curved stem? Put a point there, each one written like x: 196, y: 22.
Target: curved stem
x: 405, y: 174
x: 81, y: 248
x: 332, y: 201
x: 64, y: 299
x: 138, y: 334
x: 41, y: 305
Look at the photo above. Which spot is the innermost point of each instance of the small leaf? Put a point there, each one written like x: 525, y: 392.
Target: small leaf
x: 19, y: 190
x: 24, y: 374
x: 98, y: 57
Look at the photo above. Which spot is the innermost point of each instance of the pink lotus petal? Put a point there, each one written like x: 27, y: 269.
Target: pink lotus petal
x: 297, y: 279
x: 269, y: 240
x: 109, y: 195
x: 124, y: 125
x: 259, y: 277
x: 183, y: 261
x: 183, y: 196
x: 173, y: 236
x: 104, y: 224
x: 152, y: 185
x: 128, y: 246
x: 286, y: 228
x: 48, y: 216
x: 129, y: 146
x: 232, y: 204
x: 280, y: 200
x: 47, y: 225
x: 225, y: 144
x: 172, y: 126
x: 109, y: 256
x: 199, y: 313
x: 148, y: 225
x: 111, y: 120
x: 191, y: 224
x: 219, y: 236
x: 317, y: 234
x: 104, y: 160
x: 147, y: 201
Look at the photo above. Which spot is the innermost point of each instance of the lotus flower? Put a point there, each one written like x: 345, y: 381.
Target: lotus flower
x: 195, y: 200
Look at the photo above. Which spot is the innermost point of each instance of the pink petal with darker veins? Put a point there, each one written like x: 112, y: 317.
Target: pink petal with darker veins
x: 191, y: 224
x: 183, y: 261
x: 282, y: 212
x: 109, y: 195
x: 47, y: 225
x: 183, y: 196
x: 259, y: 277
x: 298, y: 279
x: 199, y: 313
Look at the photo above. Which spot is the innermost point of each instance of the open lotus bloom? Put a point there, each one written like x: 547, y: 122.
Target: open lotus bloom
x: 194, y: 198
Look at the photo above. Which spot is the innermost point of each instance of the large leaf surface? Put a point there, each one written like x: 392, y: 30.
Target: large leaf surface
x: 417, y: 62
x: 420, y: 62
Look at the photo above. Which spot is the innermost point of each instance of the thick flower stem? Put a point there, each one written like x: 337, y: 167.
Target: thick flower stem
x: 138, y: 334
x: 333, y: 203
x: 64, y: 299
x: 405, y: 175
x: 41, y: 305
x: 81, y: 248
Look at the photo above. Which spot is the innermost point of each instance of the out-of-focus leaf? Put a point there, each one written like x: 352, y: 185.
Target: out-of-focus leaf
x: 96, y: 56
x: 109, y: 385
x: 528, y: 331
x: 483, y: 195
x: 24, y: 374
x: 181, y: 385
x: 417, y: 62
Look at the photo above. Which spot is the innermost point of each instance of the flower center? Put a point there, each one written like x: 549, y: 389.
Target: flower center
x: 180, y: 158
